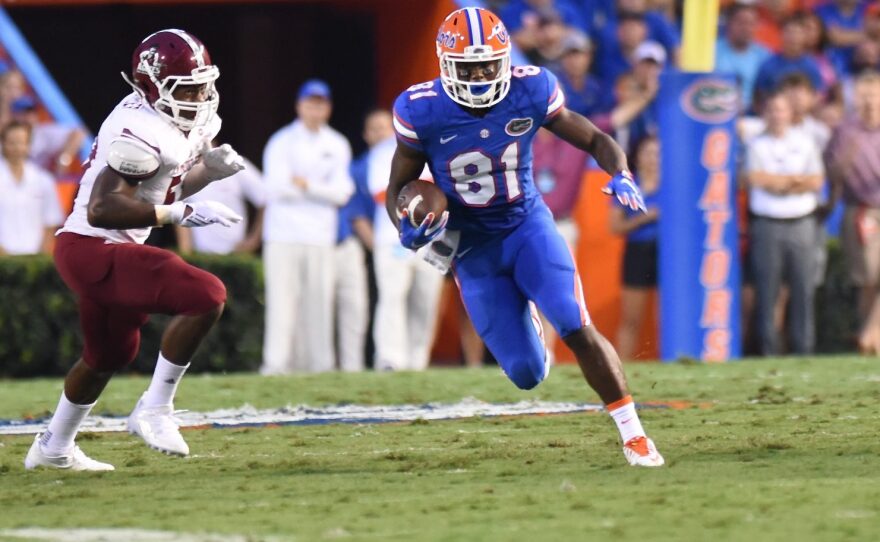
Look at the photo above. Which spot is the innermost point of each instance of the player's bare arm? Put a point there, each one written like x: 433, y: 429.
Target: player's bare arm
x: 406, y: 165
x: 583, y: 134
x: 113, y: 204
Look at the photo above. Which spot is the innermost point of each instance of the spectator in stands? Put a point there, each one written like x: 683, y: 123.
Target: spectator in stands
x: 584, y: 92
x: 409, y: 288
x: 355, y: 234
x: 617, y: 43
x: 671, y: 10
x: 853, y: 160
x: 640, y: 255
x: 785, y: 173
x: 29, y: 208
x: 771, y: 13
x: 522, y: 19
x: 12, y: 87
x: 306, y: 172
x: 866, y: 58
x: 648, y: 61
x: 737, y: 51
x: 817, y: 42
x: 659, y: 28
x: 236, y: 192
x: 844, y: 23
x: 377, y: 128
x: 548, y: 48
x: 55, y: 146
x: 792, y: 58
x: 804, y: 99
x: 872, y: 22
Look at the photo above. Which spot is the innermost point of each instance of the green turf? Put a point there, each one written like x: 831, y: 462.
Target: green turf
x: 772, y: 450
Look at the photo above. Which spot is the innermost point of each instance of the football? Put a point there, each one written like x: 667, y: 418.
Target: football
x: 420, y: 198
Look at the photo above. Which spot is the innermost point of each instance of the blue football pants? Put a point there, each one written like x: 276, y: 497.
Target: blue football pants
x: 497, y: 279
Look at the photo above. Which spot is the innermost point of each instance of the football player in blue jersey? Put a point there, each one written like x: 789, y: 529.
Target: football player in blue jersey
x: 473, y: 126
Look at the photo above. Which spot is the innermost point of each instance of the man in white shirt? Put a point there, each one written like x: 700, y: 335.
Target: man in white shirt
x: 785, y: 173
x: 305, y: 166
x: 235, y: 192
x: 54, y: 146
x: 29, y: 207
x: 409, y: 288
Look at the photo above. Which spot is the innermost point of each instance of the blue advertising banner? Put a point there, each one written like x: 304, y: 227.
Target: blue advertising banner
x: 698, y: 242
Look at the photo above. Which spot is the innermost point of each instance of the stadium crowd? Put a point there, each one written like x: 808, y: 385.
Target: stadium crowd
x: 810, y: 168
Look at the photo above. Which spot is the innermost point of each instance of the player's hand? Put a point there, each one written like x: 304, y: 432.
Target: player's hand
x: 205, y: 213
x: 222, y: 162
x: 624, y: 188
x: 413, y: 237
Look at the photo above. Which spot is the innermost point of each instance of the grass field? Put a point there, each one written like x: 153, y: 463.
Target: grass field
x: 770, y: 450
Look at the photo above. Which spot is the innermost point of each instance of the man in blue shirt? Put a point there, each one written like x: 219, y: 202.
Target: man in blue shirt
x: 355, y: 233
x: 792, y: 58
x: 584, y: 92
x: 844, y: 24
x: 738, y: 52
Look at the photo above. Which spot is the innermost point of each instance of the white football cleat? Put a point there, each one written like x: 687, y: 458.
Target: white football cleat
x: 158, y: 427
x: 641, y: 452
x: 75, y: 460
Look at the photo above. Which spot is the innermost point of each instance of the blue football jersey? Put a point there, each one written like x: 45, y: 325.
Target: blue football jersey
x: 483, y: 163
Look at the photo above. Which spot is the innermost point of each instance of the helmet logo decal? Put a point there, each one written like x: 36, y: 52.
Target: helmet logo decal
x: 447, y: 39
x: 500, y: 31
x: 150, y: 63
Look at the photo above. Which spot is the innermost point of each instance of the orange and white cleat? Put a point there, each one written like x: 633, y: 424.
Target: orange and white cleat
x: 641, y: 452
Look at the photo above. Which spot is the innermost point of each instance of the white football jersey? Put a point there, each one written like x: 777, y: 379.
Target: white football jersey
x: 178, y: 153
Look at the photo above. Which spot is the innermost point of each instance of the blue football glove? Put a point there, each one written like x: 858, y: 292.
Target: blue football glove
x: 628, y: 194
x: 413, y: 237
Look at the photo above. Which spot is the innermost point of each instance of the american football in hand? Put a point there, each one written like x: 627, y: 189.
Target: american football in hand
x: 419, y: 198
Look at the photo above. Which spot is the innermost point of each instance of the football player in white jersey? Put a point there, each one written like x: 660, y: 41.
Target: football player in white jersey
x: 151, y: 153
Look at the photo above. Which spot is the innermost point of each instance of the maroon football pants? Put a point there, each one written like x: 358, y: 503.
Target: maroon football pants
x: 120, y: 285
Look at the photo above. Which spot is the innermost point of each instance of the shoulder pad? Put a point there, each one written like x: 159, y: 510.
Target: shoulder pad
x: 133, y: 158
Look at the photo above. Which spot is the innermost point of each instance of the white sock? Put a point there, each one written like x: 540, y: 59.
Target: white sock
x: 58, y: 438
x: 626, y: 418
x: 162, y: 388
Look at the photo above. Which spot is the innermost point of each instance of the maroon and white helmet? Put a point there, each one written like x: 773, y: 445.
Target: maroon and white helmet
x: 166, y: 60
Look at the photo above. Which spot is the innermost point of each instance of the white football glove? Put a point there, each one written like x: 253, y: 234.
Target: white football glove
x: 204, y: 213
x: 222, y: 162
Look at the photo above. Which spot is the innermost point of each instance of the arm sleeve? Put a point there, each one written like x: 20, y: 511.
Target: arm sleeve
x: 555, y: 96
x: 404, y: 127
x: 276, y: 172
x: 340, y: 186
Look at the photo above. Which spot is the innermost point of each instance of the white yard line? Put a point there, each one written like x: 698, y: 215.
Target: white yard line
x: 127, y: 534
x: 306, y: 415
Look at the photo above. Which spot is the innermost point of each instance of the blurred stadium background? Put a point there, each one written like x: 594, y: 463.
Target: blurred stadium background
x: 368, y: 51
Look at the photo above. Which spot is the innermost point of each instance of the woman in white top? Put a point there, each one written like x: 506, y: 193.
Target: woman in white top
x: 29, y: 208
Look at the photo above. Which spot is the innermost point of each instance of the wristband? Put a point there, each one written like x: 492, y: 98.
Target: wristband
x: 169, y: 214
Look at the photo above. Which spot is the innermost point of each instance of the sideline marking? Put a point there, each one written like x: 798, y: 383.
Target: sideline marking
x: 248, y: 416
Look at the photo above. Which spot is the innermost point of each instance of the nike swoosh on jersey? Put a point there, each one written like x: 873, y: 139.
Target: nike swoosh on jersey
x: 445, y: 140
